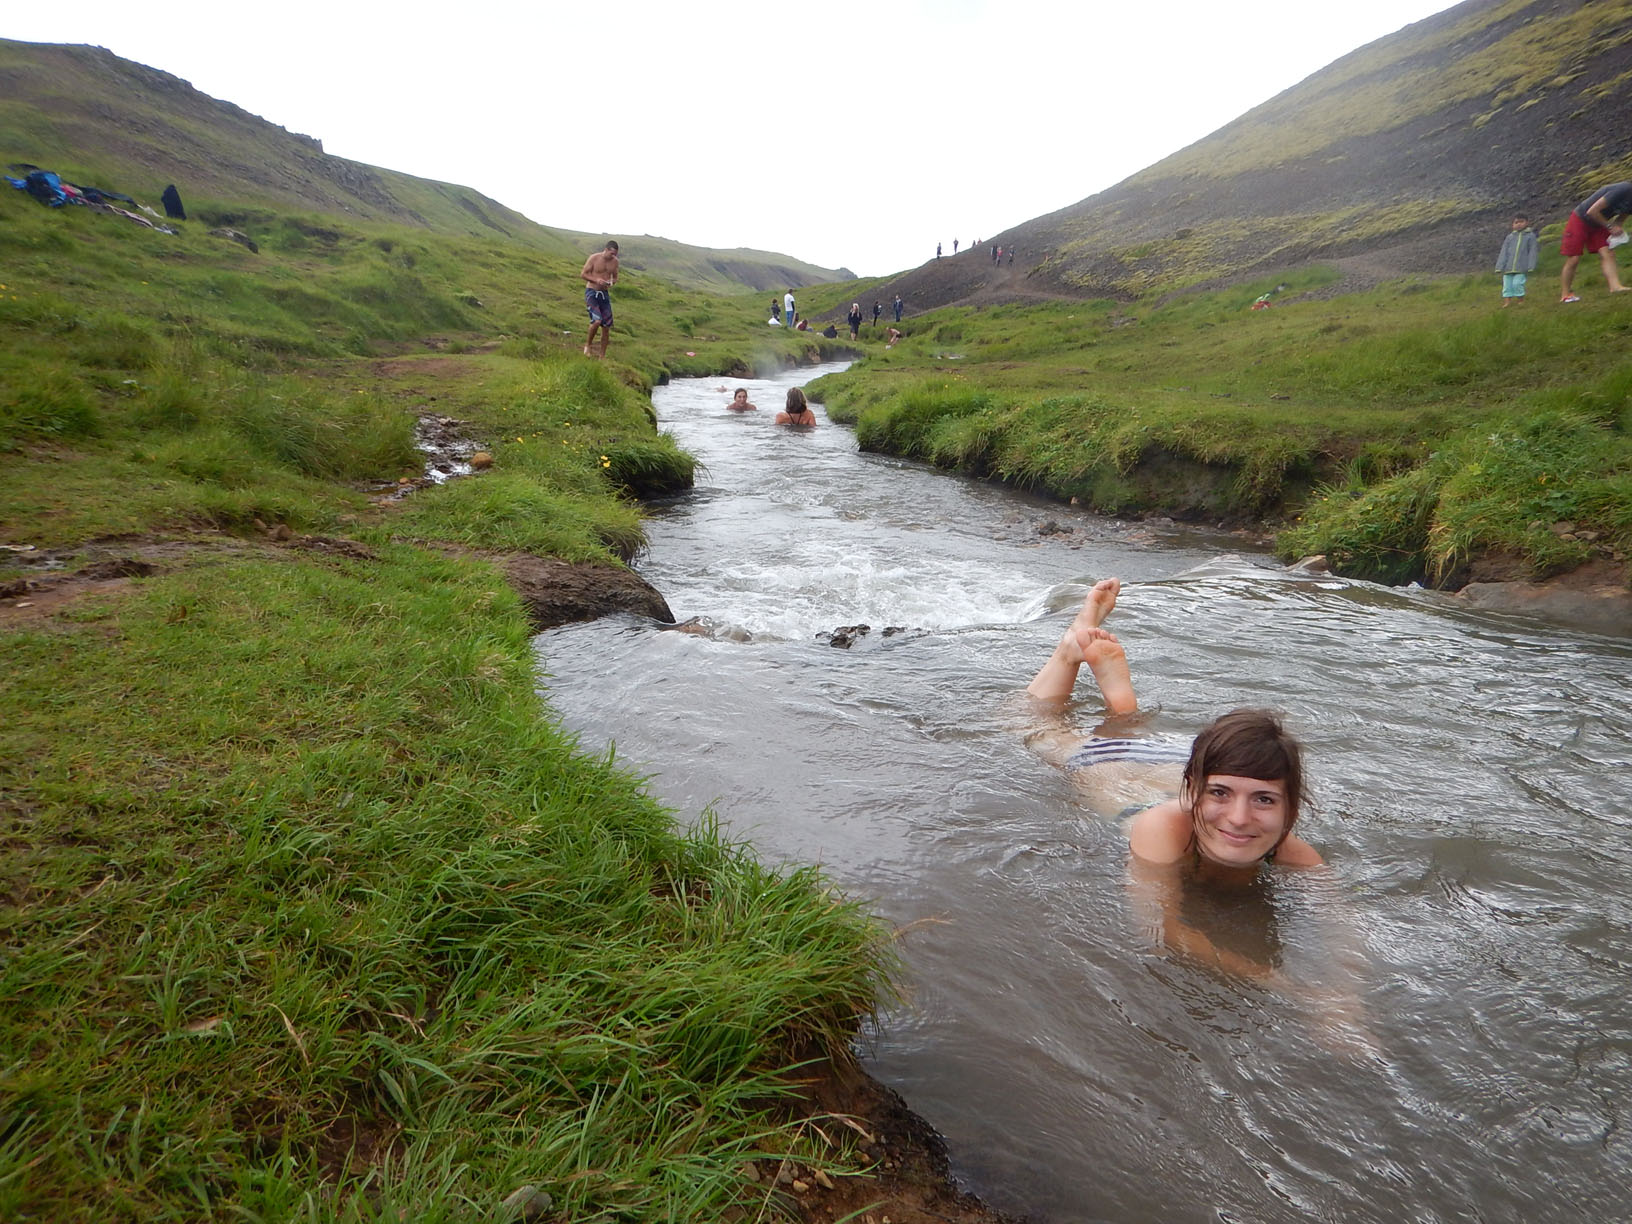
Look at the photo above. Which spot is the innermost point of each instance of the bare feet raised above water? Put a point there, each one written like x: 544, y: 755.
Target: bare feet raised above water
x: 1059, y: 675
x: 1098, y: 603
x: 1109, y: 663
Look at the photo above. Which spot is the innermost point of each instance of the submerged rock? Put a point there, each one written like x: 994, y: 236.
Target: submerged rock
x: 845, y: 635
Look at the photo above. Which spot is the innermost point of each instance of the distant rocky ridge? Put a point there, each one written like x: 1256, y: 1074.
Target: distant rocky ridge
x: 1404, y: 156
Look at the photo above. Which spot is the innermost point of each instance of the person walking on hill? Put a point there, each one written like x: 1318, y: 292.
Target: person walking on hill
x: 600, y: 274
x: 954, y: 246
x: 1588, y: 229
x: 878, y: 309
x: 896, y: 306
x: 854, y: 319
x: 937, y: 250
x: 787, y: 310
x: 1517, y: 258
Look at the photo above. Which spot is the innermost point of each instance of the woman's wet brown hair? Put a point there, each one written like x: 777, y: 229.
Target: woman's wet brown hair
x: 1247, y: 744
x: 796, y: 401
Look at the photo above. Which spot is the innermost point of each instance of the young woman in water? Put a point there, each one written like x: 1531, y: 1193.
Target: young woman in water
x: 739, y: 401
x: 797, y: 410
x: 1242, y: 786
x: 1195, y: 869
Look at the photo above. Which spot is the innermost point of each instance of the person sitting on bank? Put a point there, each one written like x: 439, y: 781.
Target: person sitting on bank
x: 739, y: 401
x: 797, y: 410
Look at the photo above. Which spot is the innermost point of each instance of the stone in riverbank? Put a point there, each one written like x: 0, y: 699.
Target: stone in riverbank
x: 559, y: 592
x: 1603, y: 609
x: 1595, y: 597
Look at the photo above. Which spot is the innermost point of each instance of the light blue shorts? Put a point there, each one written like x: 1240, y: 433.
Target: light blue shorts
x: 1512, y: 284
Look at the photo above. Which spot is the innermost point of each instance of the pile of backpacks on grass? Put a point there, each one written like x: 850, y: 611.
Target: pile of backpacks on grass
x: 49, y: 189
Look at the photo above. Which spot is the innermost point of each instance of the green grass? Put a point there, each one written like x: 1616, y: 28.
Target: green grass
x: 1411, y: 427
x: 310, y: 908
x: 179, y: 380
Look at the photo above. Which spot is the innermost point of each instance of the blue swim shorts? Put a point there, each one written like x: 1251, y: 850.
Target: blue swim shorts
x: 599, y: 304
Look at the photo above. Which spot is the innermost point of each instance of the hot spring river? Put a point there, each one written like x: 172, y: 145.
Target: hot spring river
x: 1471, y: 783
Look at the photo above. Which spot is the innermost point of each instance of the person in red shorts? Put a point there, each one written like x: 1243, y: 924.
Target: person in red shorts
x: 1588, y: 229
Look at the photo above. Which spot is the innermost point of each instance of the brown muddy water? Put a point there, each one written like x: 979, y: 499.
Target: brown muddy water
x: 1442, y: 1028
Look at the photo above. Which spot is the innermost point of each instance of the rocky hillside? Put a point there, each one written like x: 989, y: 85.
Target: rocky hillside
x: 103, y: 120
x: 1407, y: 155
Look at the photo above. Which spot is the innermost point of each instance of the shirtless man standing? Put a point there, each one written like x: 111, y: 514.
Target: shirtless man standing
x: 600, y: 274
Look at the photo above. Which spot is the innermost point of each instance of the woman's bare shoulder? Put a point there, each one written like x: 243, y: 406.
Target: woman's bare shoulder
x: 1295, y: 852
x: 1162, y: 833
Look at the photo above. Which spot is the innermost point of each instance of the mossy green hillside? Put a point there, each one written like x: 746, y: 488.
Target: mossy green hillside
x: 53, y: 113
x: 1496, y: 424
x: 326, y: 287
x: 146, y: 375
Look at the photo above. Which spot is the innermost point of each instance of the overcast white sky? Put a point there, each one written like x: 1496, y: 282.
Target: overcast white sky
x: 846, y: 134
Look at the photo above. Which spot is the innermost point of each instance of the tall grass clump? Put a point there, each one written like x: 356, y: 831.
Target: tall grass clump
x: 648, y: 468
x: 514, y: 511
x: 317, y: 433
x: 284, y: 421
x: 1526, y: 485
x: 326, y: 918
x: 39, y: 401
x: 905, y: 424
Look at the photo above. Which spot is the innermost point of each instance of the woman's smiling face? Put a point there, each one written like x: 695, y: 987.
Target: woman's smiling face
x: 1240, y: 820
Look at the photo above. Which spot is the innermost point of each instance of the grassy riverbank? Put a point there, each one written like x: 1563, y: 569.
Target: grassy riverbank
x: 309, y: 907
x: 1402, y: 431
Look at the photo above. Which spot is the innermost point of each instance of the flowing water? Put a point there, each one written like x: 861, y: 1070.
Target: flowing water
x: 1448, y: 1032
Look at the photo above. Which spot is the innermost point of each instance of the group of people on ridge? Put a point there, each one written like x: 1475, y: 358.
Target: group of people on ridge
x: 785, y: 314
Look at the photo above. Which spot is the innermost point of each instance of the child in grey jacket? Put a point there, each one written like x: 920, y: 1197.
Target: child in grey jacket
x: 1518, y: 257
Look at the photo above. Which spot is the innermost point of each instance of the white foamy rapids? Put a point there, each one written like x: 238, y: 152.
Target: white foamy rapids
x: 817, y: 583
